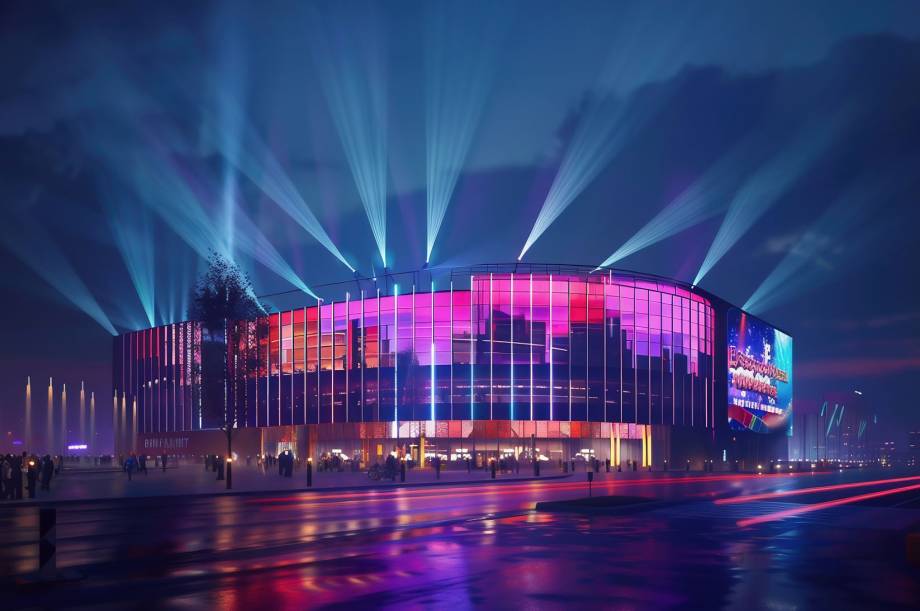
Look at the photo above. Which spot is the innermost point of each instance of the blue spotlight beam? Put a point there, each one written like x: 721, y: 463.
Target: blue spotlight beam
x: 353, y: 74
x: 598, y: 138
x: 254, y: 159
x: 810, y: 256
x: 132, y: 231
x: 232, y: 69
x: 176, y: 193
x: 458, y: 77
x: 32, y: 245
x: 703, y: 199
x: 766, y: 186
x: 172, y: 298
x: 612, y: 120
x: 252, y: 241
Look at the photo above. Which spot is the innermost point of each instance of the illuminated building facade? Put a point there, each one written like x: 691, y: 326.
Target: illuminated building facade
x: 494, y: 359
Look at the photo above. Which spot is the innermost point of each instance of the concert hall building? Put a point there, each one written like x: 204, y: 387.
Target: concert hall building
x: 564, y: 361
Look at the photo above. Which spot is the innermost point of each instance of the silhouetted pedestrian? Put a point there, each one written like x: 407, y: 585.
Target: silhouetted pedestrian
x: 47, y: 469
x: 6, y: 477
x: 31, y: 477
x: 17, y: 465
x: 131, y: 465
x: 163, y: 462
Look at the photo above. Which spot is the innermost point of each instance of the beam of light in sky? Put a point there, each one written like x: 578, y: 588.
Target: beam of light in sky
x: 231, y: 75
x: 350, y: 59
x: 600, y: 135
x: 176, y: 193
x: 703, y: 199
x: 132, y: 231
x: 249, y: 239
x: 252, y: 241
x: 458, y: 77
x: 766, y: 186
x: 812, y: 256
x: 253, y: 158
x: 177, y: 273
x: 32, y: 245
x: 610, y: 121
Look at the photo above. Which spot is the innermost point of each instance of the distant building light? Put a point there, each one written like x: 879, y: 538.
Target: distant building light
x: 77, y: 446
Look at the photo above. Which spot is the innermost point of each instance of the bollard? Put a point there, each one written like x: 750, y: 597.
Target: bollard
x: 493, y: 469
x: 607, y: 465
x: 536, y: 468
x: 590, y: 479
x: 310, y: 472
x: 402, y: 470
x: 229, y: 473
x: 47, y: 542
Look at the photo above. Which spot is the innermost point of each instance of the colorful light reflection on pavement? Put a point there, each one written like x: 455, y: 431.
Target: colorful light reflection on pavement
x: 477, y: 545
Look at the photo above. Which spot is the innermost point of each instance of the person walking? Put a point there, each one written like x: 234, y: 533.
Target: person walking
x: 6, y: 474
x: 46, y: 471
x: 17, y: 476
x: 31, y: 476
x: 163, y: 461
x: 130, y: 465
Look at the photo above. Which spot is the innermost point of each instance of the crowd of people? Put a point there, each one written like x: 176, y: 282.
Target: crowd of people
x: 137, y: 463
x: 21, y: 475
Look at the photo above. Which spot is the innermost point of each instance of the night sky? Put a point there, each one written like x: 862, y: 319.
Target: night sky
x: 794, y: 127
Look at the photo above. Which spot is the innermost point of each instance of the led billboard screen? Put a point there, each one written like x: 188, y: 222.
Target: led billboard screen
x: 759, y: 375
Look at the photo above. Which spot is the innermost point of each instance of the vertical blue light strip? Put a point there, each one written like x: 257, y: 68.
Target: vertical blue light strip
x: 472, y: 350
x: 491, y: 348
x: 550, y: 336
x: 530, y: 347
x: 396, y: 355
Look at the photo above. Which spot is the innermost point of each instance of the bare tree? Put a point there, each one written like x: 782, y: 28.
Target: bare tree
x: 222, y: 296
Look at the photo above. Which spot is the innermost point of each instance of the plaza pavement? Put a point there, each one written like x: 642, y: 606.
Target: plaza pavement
x: 188, y: 478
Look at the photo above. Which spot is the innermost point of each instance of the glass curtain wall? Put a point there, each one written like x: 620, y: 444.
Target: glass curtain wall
x: 513, y: 347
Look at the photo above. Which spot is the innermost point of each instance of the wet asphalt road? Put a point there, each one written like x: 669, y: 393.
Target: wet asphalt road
x: 482, y: 545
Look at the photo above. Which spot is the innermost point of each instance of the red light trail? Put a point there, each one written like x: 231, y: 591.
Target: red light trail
x: 794, y: 511
x: 782, y: 493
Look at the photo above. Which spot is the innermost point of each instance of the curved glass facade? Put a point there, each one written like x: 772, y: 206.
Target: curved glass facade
x: 507, y: 347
